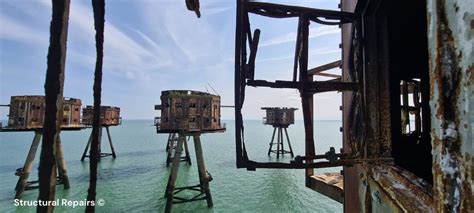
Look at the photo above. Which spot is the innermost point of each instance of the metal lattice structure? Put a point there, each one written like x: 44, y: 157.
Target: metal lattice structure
x: 302, y: 77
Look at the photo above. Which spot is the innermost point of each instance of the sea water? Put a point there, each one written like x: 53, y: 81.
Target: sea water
x: 136, y: 179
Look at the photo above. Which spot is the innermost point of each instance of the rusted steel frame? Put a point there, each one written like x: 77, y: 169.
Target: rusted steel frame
x: 253, y: 165
x: 98, y: 7
x: 306, y: 95
x: 325, y: 86
x: 324, y: 67
x: 335, y: 80
x: 193, y: 5
x: 276, y: 84
x: 319, y: 21
x: 328, y: 75
x: 313, y: 87
x: 248, y: 29
x: 355, y: 134
x: 286, y: 11
x: 297, y: 50
x: 250, y: 72
x: 315, y: 157
x: 238, y: 83
x: 54, y: 86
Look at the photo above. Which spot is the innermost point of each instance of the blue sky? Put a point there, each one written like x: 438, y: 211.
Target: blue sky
x: 155, y: 45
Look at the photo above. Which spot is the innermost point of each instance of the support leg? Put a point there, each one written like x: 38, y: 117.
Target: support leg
x: 170, y: 148
x: 186, y: 150
x: 99, y: 151
x: 271, y: 142
x: 203, y: 178
x: 174, y: 174
x: 281, y: 140
x: 289, y: 144
x: 278, y: 143
x: 26, y: 170
x: 110, y: 142
x: 168, y: 142
x: 84, y: 155
x: 62, y: 169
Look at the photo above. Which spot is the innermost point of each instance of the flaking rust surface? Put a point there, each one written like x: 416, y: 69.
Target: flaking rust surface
x: 451, y: 34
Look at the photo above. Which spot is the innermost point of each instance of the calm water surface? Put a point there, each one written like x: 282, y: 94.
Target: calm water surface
x: 136, y: 179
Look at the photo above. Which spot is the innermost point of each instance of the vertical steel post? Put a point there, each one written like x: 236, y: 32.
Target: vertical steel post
x: 27, y: 167
x: 54, y: 86
x: 62, y: 169
x: 84, y: 154
x: 110, y: 142
x: 203, y: 178
x: 169, y: 193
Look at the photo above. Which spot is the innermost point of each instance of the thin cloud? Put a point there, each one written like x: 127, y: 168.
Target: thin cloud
x: 16, y: 31
x: 291, y: 37
x: 313, y: 52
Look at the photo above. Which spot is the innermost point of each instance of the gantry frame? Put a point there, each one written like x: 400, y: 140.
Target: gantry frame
x: 302, y: 78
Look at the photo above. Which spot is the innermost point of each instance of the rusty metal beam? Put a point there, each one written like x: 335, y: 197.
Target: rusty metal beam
x: 253, y: 165
x: 286, y: 11
x: 250, y: 71
x: 324, y: 67
x: 297, y: 50
x: 312, y: 87
x: 328, y: 75
x: 238, y: 82
x: 54, y: 86
x: 306, y: 96
x: 95, y: 152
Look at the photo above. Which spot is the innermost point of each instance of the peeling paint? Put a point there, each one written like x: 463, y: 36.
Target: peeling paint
x: 451, y: 54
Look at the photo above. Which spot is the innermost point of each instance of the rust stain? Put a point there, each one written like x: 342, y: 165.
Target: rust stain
x: 452, y: 193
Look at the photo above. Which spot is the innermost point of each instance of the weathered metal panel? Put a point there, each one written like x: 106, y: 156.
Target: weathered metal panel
x: 277, y: 116
x: 329, y: 184
x: 350, y: 174
x: 183, y: 110
x: 28, y: 112
x: 109, y: 115
x: 451, y: 61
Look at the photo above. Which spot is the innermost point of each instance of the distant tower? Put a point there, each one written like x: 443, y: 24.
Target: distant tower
x: 185, y: 114
x: 27, y: 114
x: 280, y: 119
x: 109, y: 116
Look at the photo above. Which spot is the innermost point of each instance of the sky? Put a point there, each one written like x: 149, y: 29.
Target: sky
x: 156, y: 45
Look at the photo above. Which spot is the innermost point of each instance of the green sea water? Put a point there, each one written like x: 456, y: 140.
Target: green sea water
x: 136, y: 179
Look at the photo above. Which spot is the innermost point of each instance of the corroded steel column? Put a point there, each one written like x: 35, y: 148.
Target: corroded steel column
x: 54, y: 96
x: 450, y: 43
